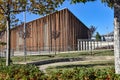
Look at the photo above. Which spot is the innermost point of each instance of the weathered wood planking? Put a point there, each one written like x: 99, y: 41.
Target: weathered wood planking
x: 41, y: 33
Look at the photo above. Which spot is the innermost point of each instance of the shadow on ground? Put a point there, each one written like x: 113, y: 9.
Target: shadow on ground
x: 85, y: 65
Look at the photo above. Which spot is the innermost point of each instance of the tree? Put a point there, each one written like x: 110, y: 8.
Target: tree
x: 116, y: 5
x: 92, y: 30
x: 12, y: 7
x: 46, y: 6
x: 2, y: 23
x: 55, y: 35
x: 117, y: 36
x: 98, y: 37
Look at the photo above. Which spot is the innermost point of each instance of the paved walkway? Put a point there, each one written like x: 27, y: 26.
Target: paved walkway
x: 43, y: 65
x: 89, y: 59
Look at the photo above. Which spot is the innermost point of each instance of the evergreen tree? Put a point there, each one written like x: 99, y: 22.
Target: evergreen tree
x: 98, y: 37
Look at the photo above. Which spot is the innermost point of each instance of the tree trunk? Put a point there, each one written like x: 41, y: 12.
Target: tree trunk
x: 117, y: 37
x: 8, y: 40
x: 25, y: 52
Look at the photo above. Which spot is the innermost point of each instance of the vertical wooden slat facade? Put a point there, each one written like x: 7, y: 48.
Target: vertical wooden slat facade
x: 76, y: 30
x: 41, y: 33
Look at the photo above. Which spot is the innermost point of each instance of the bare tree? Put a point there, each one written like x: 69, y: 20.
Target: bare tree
x: 55, y: 35
x: 8, y: 7
x: 92, y: 30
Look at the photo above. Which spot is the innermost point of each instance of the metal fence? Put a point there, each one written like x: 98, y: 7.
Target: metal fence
x: 3, y: 53
x: 83, y: 45
x: 34, y: 50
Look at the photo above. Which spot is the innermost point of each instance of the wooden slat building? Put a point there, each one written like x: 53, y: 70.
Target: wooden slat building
x: 59, y: 30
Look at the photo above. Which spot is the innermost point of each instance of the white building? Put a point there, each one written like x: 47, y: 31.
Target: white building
x: 108, y: 37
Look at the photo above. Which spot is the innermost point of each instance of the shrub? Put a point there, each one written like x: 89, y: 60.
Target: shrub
x: 21, y: 72
x: 31, y: 72
x: 2, y: 61
x: 84, y: 74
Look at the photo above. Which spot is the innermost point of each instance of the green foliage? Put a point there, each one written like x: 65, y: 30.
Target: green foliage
x: 81, y: 1
x: 9, y: 8
x: 98, y: 37
x: 21, y: 72
x: 110, y: 3
x: 2, y: 61
x: 32, y: 6
x: 84, y: 74
x: 31, y: 72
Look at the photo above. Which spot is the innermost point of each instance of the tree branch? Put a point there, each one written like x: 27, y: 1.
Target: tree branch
x: 2, y: 13
x: 2, y: 8
x: 23, y: 10
x: 18, y: 11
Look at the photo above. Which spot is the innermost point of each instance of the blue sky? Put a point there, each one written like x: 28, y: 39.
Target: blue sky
x: 90, y: 13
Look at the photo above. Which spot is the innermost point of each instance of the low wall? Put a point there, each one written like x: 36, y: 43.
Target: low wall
x: 91, y: 45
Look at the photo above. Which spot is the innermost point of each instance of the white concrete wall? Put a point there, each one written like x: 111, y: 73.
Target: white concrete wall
x: 88, y: 45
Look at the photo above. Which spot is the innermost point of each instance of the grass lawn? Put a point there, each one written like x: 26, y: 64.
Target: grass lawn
x: 91, y: 64
x: 62, y: 55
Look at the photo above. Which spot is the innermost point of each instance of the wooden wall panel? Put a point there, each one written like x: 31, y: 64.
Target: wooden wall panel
x: 77, y: 30
x: 63, y: 22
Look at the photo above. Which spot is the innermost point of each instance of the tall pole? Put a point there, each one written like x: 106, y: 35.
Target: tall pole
x: 25, y: 53
x: 8, y: 37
